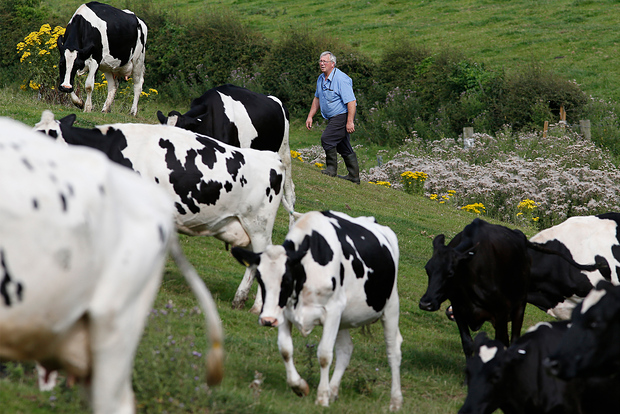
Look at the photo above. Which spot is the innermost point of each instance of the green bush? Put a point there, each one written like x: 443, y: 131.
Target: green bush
x: 533, y: 95
x: 18, y: 18
x: 185, y: 58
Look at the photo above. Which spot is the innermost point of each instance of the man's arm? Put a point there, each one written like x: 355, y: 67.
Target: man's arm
x: 313, y: 110
x: 351, y: 106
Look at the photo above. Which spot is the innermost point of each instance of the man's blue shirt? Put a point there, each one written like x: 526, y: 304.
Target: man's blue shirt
x: 334, y: 93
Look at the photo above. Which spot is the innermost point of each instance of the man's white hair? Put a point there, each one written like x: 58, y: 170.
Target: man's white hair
x: 332, y: 56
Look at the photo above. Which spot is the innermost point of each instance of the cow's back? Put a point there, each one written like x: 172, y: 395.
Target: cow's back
x: 210, y: 181
x: 352, y: 259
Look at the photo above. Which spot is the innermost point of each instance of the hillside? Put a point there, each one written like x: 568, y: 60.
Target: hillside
x: 167, y: 374
x: 576, y: 38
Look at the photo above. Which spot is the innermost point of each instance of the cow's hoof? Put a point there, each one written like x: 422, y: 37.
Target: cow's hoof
x: 396, y: 403
x: 255, y: 310
x: 302, y: 390
x: 238, y: 304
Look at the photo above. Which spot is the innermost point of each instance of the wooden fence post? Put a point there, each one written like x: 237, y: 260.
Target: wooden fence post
x: 584, y: 125
x: 468, y: 137
x: 545, y: 129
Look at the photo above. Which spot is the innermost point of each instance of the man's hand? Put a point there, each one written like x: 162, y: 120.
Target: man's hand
x: 309, y: 123
x: 350, y: 127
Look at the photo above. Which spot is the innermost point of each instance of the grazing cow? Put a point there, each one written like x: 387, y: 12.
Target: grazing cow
x: 591, y: 345
x: 222, y: 191
x: 515, y: 380
x: 484, y: 272
x: 83, y: 243
x: 99, y: 36
x: 241, y: 118
x: 555, y: 286
x: 335, y: 271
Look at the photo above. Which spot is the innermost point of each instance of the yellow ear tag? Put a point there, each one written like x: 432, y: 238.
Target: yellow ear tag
x: 246, y: 264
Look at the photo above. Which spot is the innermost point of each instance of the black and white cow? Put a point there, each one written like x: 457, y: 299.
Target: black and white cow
x: 555, y: 285
x: 241, y: 118
x: 335, y: 271
x: 218, y: 190
x: 516, y: 381
x: 99, y: 36
x: 83, y: 244
x: 591, y: 347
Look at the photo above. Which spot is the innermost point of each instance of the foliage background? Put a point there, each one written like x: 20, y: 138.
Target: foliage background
x: 423, y: 68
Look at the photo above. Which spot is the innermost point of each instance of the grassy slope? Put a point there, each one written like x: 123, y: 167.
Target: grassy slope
x: 575, y: 38
x: 432, y: 359
x: 432, y: 362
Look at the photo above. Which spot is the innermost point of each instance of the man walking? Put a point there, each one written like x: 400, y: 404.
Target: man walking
x: 334, y: 96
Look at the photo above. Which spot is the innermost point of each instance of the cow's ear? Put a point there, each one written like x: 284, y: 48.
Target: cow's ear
x: 439, y: 241
x: 295, y: 255
x: 68, y: 120
x: 163, y: 119
x: 245, y: 257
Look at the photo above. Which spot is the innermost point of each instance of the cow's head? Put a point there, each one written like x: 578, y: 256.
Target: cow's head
x: 485, y: 373
x: 441, y: 270
x: 175, y: 118
x: 71, y: 61
x: 280, y: 277
x: 49, y: 126
x: 591, y: 346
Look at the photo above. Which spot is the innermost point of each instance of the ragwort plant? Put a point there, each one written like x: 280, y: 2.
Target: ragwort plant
x: 38, y: 56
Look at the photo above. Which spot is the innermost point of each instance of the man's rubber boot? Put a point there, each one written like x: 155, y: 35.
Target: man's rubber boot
x: 331, y: 162
x: 350, y: 161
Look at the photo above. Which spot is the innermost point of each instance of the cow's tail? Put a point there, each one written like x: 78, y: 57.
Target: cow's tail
x: 215, y: 356
x: 290, y: 210
x: 587, y: 268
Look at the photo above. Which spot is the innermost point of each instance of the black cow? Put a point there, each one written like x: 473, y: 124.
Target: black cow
x: 591, y: 347
x: 515, y: 380
x: 241, y: 118
x: 555, y: 285
x: 485, y: 273
x: 99, y: 36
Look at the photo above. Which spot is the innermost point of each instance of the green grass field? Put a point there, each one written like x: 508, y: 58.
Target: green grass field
x: 168, y: 376
x: 573, y: 37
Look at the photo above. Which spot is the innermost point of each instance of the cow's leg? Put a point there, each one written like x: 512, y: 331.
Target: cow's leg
x: 344, y: 349
x: 259, y: 240
x: 117, y: 320
x: 112, y: 88
x: 285, y: 345
x: 138, y: 81
x: 393, y: 341
x: 325, y: 354
x: 518, y: 314
x: 466, y: 341
x: 501, y: 330
x: 244, y: 290
x: 89, y: 85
